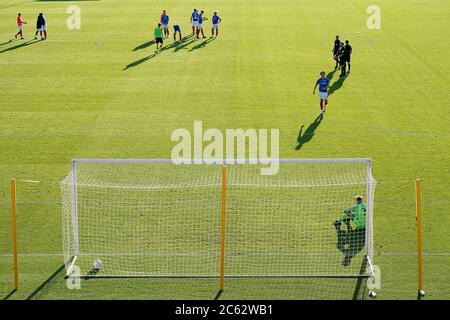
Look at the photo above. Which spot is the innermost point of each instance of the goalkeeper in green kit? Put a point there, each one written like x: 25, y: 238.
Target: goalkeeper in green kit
x: 352, y: 241
x: 355, y: 214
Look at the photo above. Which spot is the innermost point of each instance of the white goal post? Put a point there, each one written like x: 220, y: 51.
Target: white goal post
x: 153, y: 218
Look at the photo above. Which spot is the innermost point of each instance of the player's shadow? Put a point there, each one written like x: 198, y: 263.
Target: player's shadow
x: 202, y: 44
x: 170, y: 46
x: 24, y: 44
x: 140, y: 61
x: 331, y: 74
x: 175, y: 45
x: 183, y: 45
x: 145, y: 45
x: 9, y: 41
x: 336, y: 85
x: 152, y: 42
x: 350, y: 242
x: 309, y: 132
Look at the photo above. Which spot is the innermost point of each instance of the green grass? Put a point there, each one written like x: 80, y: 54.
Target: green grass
x: 94, y: 93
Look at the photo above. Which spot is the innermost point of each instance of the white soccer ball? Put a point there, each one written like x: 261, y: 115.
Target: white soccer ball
x: 422, y: 293
x: 97, y: 264
x: 372, y: 294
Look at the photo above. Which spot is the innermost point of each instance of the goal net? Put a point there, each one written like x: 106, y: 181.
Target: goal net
x: 153, y: 218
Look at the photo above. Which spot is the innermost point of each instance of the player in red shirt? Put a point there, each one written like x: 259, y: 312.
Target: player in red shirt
x: 20, y: 24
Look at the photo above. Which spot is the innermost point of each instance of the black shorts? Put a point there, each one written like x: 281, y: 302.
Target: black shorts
x: 176, y: 28
x: 159, y: 40
x: 347, y: 59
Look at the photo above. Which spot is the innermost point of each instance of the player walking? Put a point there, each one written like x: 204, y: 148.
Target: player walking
x: 41, y: 26
x: 165, y: 23
x: 348, y: 53
x: 215, y: 24
x: 201, y: 18
x: 337, y: 44
x: 324, y: 84
x: 194, y: 21
x: 158, y: 37
x: 20, y: 24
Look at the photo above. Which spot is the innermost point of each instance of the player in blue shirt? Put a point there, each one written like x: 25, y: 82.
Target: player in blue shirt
x: 215, y: 24
x: 165, y: 23
x: 194, y: 21
x: 324, y: 84
x: 201, y: 18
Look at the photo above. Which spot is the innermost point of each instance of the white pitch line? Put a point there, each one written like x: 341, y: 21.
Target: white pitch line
x: 30, y: 181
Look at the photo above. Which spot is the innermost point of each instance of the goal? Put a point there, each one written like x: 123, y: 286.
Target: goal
x: 153, y: 218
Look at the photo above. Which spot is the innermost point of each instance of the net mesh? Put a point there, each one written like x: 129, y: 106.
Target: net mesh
x: 164, y: 220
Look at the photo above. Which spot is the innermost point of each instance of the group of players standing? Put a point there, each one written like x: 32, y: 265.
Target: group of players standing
x: 197, y: 19
x: 341, y: 54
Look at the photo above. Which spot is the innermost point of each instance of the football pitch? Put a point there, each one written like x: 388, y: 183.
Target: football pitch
x: 102, y: 91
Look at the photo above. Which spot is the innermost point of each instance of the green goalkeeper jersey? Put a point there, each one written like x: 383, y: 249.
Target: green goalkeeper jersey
x: 357, y: 214
x: 158, y: 32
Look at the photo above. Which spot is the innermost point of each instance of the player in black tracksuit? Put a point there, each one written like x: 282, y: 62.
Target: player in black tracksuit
x: 348, y: 53
x: 335, y: 50
x: 41, y: 27
x: 342, y: 59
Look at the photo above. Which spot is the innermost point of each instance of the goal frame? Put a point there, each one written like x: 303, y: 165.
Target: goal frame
x: 368, y: 256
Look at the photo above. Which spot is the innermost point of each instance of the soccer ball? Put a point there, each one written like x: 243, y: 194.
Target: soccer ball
x: 372, y: 294
x: 97, y: 264
x: 422, y: 293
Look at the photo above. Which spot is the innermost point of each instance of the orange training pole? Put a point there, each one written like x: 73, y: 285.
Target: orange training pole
x: 419, y: 236
x: 14, y: 231
x: 222, y: 238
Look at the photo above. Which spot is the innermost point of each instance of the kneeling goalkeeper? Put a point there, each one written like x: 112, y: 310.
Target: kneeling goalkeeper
x: 356, y: 214
x: 352, y: 241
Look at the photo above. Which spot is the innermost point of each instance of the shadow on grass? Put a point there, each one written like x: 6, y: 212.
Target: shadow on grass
x: 145, y: 45
x: 26, y: 43
x: 350, y: 241
x: 202, y: 44
x: 331, y: 74
x: 9, y: 294
x: 140, y: 61
x: 336, y: 85
x: 183, y: 45
x: 309, y: 132
x: 419, y: 296
x: 44, y: 286
x: 152, y: 42
x: 175, y: 45
x: 9, y: 41
x: 219, y: 293
x: 361, y: 283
